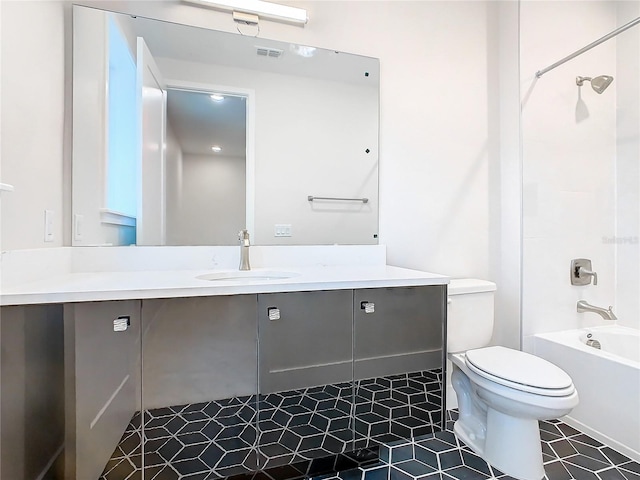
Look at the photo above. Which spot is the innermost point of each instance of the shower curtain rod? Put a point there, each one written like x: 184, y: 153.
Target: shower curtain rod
x: 632, y: 23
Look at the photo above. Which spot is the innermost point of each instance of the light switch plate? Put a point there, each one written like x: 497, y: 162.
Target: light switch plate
x: 78, y: 221
x: 48, y: 225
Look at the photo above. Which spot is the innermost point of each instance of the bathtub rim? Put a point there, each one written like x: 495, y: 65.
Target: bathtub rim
x: 571, y: 339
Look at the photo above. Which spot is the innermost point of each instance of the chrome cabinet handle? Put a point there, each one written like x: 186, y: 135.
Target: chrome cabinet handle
x: 368, y: 307
x: 121, y: 324
x: 273, y: 313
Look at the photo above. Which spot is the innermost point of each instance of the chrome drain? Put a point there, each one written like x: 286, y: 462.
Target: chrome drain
x: 594, y: 343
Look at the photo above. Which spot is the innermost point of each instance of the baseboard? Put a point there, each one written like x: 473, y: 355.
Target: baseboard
x: 619, y: 447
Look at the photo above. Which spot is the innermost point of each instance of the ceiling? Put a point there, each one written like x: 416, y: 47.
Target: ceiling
x: 202, y: 45
x: 199, y: 122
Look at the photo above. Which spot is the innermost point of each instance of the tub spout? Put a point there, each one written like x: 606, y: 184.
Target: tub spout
x: 607, y: 314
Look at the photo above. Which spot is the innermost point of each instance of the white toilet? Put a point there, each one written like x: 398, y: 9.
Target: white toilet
x: 501, y: 392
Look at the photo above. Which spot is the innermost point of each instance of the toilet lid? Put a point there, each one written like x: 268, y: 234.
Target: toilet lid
x: 519, y: 370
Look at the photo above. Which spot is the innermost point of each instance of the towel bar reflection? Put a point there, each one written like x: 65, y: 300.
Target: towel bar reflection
x: 311, y: 198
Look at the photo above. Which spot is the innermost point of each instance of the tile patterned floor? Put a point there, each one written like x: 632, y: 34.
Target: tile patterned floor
x: 567, y: 453
x: 305, y: 435
x: 218, y: 439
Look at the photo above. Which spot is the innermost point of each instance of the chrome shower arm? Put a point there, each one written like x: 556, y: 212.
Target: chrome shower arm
x: 617, y: 31
x: 580, y: 80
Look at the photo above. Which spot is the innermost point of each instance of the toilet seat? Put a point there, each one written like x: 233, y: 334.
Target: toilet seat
x: 520, y: 371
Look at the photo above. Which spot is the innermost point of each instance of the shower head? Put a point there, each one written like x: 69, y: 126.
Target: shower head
x: 599, y: 84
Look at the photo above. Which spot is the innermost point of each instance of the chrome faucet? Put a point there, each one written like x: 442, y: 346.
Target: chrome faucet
x: 244, y: 249
x: 583, y: 272
x: 604, y: 313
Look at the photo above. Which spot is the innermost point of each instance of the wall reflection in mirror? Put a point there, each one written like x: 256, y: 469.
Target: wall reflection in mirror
x: 184, y: 136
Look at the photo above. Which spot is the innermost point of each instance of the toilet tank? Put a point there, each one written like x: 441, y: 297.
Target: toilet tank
x: 469, y: 314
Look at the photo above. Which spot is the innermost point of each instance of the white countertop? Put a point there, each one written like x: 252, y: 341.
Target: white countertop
x: 101, y: 286
x: 86, y: 275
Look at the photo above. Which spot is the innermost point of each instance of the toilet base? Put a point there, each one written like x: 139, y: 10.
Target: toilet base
x: 512, y: 445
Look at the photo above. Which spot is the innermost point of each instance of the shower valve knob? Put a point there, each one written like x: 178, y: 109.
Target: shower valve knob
x: 581, y: 273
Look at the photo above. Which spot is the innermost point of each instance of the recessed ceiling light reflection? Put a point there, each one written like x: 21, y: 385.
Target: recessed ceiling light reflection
x: 303, y: 50
x: 216, y: 97
x: 216, y: 149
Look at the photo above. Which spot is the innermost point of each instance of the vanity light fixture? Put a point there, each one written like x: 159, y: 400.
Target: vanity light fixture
x: 216, y: 149
x: 269, y: 10
x: 216, y: 97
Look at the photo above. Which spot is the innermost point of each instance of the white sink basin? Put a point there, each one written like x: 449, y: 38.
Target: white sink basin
x: 248, y: 275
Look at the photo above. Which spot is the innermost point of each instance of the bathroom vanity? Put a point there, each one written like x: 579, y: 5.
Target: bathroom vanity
x: 287, y: 366
x: 155, y: 362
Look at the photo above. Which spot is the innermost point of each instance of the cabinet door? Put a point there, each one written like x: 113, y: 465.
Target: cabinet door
x: 398, y: 358
x: 310, y: 344
x: 305, y: 376
x: 200, y: 376
x: 102, y: 370
x: 70, y: 391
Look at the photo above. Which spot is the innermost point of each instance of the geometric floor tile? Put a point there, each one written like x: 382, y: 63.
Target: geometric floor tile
x: 308, y: 428
x: 567, y: 454
x: 393, y: 434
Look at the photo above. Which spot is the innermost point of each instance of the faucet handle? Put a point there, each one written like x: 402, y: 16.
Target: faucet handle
x: 581, y: 272
x: 243, y: 234
x: 584, y: 272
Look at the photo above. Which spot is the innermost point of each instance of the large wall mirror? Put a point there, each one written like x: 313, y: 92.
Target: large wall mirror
x: 184, y: 136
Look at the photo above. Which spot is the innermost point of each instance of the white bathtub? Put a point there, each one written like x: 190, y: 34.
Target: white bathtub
x: 608, y: 382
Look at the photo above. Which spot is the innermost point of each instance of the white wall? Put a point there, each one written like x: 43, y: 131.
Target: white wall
x: 628, y: 169
x: 505, y: 169
x: 212, y: 201
x: 569, y: 162
x: 173, y: 181
x: 90, y: 135
x: 32, y: 109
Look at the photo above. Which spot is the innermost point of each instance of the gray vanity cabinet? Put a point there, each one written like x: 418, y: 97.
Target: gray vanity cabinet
x: 196, y: 350
x: 306, y: 339
x: 227, y: 383
x: 311, y: 338
x: 103, y: 384
x: 397, y: 330
x: 399, y: 338
x: 33, y: 390
x: 71, y: 389
x: 368, y: 363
